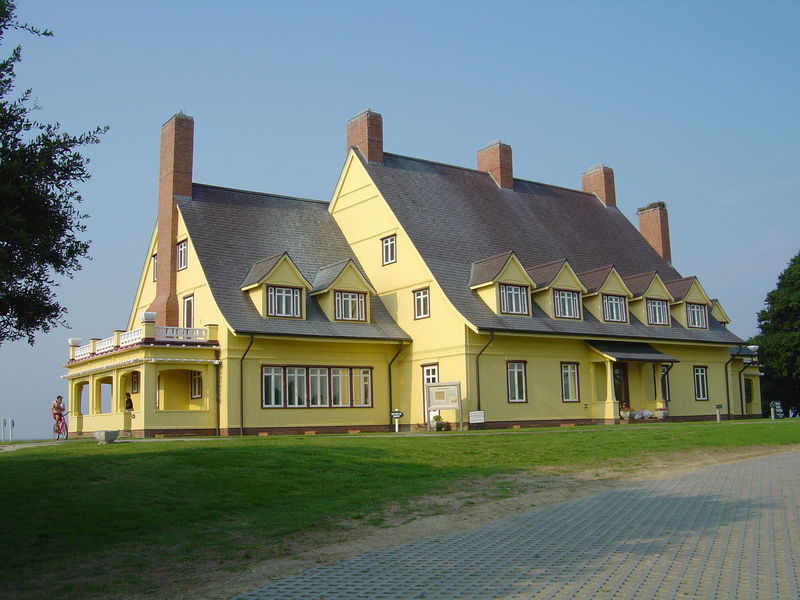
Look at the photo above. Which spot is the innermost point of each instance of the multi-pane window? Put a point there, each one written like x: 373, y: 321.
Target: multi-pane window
x: 665, y: 382
x: 318, y: 386
x: 517, y: 391
x: 569, y: 382
x: 422, y: 304
x: 389, y: 247
x: 188, y: 311
x: 350, y: 306
x: 197, y: 384
x: 614, y: 308
x: 272, y: 387
x: 748, y: 390
x: 696, y: 315
x: 154, y: 265
x: 182, y: 252
x: 295, y: 386
x: 283, y: 301
x: 657, y: 312
x: 340, y: 387
x: 513, y: 299
x: 362, y: 387
x: 701, y: 383
x: 566, y: 304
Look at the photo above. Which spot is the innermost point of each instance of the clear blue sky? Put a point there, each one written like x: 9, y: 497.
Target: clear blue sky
x: 692, y: 103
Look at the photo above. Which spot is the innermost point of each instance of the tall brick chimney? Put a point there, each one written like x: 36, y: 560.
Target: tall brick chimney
x: 175, y: 179
x: 495, y: 159
x: 654, y: 227
x: 599, y: 180
x: 366, y: 131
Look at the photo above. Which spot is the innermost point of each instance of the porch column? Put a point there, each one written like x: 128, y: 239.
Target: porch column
x: 611, y: 404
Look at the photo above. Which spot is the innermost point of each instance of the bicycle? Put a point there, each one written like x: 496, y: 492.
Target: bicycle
x: 60, y: 429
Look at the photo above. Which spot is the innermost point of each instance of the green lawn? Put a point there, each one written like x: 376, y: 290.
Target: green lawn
x: 116, y: 518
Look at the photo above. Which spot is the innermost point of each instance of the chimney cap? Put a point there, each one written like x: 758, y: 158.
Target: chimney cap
x: 179, y: 115
x: 651, y: 206
x: 497, y: 142
x: 366, y: 111
x: 598, y: 166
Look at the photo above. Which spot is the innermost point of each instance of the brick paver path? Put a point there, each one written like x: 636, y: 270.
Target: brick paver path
x: 729, y: 531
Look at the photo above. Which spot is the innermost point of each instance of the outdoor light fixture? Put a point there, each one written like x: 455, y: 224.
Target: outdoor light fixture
x: 753, y: 349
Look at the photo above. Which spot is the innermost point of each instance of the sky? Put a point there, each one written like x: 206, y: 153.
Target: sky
x: 691, y: 103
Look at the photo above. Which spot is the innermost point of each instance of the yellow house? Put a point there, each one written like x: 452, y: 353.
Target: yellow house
x: 258, y: 313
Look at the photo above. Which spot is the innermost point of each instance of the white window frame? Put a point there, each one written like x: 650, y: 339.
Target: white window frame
x: 657, y: 316
x: 188, y: 311
x: 362, y: 386
x: 296, y: 390
x: 283, y: 301
x: 700, y: 383
x: 135, y: 382
x: 389, y: 250
x: 183, y: 251
x: 513, y: 299
x: 318, y: 387
x: 340, y: 384
x: 517, y: 381
x: 615, y: 308
x: 570, y: 383
x: 272, y: 394
x: 154, y: 264
x: 566, y: 304
x: 696, y: 316
x: 196, y: 384
x: 350, y: 306
x: 422, y: 303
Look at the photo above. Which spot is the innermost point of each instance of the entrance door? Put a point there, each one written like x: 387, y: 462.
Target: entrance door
x: 621, y: 385
x: 430, y: 374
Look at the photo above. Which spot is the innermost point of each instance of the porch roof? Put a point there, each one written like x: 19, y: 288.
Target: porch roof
x: 631, y: 352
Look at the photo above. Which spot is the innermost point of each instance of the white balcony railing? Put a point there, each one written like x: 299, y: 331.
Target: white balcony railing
x: 191, y: 334
x: 136, y: 336
x: 129, y: 338
x: 83, y: 352
x: 106, y: 345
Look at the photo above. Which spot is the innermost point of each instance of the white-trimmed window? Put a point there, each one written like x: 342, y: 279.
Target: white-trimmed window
x: 197, y: 384
x: 665, y: 382
x: 422, y: 304
x: 283, y: 301
x: 567, y: 304
x: 696, y: 315
x: 701, y: 383
x: 182, y: 254
x: 350, y: 306
x: 318, y: 386
x: 340, y: 387
x: 570, y: 391
x: 517, y: 389
x: 362, y: 387
x: 295, y: 386
x: 154, y: 265
x: 614, y: 308
x: 513, y: 299
x: 389, y: 248
x: 188, y: 311
x: 272, y: 387
x: 657, y: 312
x: 134, y: 382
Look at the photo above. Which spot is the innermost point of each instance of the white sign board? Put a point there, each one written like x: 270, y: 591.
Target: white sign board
x: 476, y: 416
x: 443, y: 396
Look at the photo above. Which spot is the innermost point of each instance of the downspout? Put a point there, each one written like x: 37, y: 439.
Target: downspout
x: 478, y: 368
x: 241, y: 387
x: 389, y: 368
x: 727, y: 383
x: 216, y: 385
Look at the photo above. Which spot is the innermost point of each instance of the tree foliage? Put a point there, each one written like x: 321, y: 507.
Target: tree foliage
x: 779, y: 340
x: 39, y: 222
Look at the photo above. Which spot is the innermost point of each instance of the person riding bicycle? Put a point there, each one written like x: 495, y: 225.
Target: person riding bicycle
x: 58, y: 408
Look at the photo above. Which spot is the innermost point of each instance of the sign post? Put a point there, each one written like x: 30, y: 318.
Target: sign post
x: 719, y: 408
x: 396, y: 415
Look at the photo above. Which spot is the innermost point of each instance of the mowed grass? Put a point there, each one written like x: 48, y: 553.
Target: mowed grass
x: 82, y: 520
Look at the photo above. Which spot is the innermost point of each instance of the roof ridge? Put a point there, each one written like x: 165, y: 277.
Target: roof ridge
x: 609, y: 267
x: 281, y: 196
x: 488, y: 258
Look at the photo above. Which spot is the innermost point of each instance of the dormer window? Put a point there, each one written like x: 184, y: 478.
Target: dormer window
x: 350, y: 306
x: 389, y: 246
x: 614, y: 308
x: 567, y: 304
x: 283, y: 302
x: 657, y: 312
x: 513, y: 299
x: 696, y: 315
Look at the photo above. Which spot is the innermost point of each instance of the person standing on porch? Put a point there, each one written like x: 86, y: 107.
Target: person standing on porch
x: 128, y: 401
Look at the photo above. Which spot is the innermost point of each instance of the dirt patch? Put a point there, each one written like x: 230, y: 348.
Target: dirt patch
x: 465, y: 508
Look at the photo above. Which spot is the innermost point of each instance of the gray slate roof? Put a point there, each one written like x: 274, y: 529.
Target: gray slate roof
x: 632, y: 351
x: 484, y: 271
x: 231, y: 230
x: 457, y: 216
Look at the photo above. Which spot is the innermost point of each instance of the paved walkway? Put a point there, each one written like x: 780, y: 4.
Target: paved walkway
x: 730, y: 531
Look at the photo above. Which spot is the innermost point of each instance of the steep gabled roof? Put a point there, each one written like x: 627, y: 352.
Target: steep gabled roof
x: 487, y: 269
x: 260, y: 269
x: 638, y: 284
x: 594, y: 279
x: 544, y: 274
x: 680, y: 287
x: 457, y: 216
x: 327, y: 275
x: 231, y: 230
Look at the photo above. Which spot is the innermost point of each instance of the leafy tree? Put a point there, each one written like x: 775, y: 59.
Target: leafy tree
x: 39, y: 222
x: 779, y: 340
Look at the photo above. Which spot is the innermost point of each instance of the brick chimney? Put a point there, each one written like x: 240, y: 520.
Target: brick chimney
x: 495, y: 159
x: 654, y: 227
x: 599, y: 180
x: 366, y: 132
x: 175, y: 179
